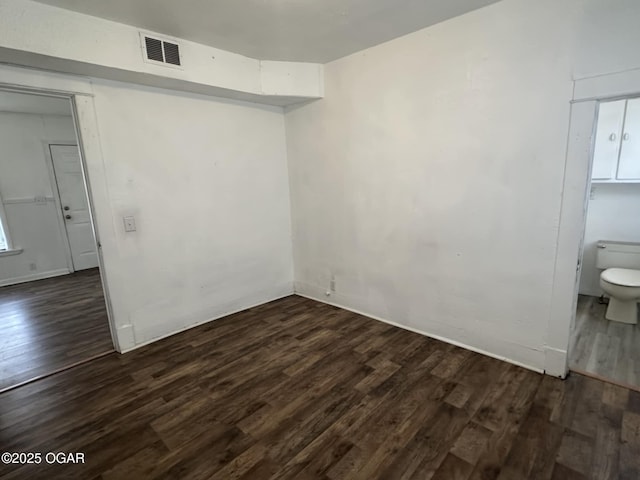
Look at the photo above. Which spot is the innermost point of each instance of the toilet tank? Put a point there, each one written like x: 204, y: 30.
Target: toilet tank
x: 612, y: 254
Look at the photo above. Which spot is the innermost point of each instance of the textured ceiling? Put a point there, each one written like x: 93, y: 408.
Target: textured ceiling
x: 295, y: 30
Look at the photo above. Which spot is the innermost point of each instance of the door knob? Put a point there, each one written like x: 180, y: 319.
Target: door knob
x: 66, y: 207
x: 68, y: 217
x: 613, y: 137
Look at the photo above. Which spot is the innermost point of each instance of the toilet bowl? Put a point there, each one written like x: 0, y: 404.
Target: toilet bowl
x: 623, y: 287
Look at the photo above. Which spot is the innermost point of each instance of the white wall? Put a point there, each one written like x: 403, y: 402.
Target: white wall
x: 614, y: 214
x: 428, y: 181
x: 206, y: 180
x: 24, y: 175
x: 46, y: 37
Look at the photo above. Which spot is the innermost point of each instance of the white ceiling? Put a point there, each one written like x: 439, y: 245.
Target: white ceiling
x: 36, y: 104
x: 295, y: 30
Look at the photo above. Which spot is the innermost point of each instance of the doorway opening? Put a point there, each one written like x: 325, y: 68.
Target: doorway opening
x: 605, y: 338
x: 53, y: 311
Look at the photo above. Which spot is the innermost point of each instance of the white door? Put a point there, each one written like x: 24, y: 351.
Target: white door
x: 629, y: 167
x: 75, y: 207
x: 607, y: 145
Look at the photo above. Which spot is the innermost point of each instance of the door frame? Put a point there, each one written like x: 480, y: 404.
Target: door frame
x: 76, y: 90
x: 587, y: 94
x: 46, y: 144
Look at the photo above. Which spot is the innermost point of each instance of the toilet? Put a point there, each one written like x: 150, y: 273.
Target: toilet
x: 620, y: 279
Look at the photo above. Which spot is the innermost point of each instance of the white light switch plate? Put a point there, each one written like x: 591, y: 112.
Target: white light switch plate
x: 129, y: 224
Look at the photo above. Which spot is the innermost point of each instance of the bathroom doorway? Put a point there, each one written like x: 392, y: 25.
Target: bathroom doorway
x: 605, y: 338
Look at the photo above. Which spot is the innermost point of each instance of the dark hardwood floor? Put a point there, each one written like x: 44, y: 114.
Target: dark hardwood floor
x: 295, y: 389
x: 50, y: 324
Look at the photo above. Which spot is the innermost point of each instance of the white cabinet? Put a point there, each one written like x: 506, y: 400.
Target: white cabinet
x: 616, y: 153
x: 607, y: 146
x: 629, y: 164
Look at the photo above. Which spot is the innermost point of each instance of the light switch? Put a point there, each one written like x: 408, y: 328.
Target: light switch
x: 129, y: 224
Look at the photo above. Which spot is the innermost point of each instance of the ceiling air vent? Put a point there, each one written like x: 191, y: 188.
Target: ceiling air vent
x: 171, y: 53
x: 160, y: 51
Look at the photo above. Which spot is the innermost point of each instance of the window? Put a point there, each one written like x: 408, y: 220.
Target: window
x: 3, y: 239
x: 4, y: 234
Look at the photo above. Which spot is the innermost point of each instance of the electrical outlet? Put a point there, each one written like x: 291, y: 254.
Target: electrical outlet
x: 33, y: 267
x: 129, y: 224
x: 332, y: 284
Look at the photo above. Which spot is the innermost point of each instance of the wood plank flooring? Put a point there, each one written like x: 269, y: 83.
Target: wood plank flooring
x: 49, y: 324
x: 600, y: 347
x: 295, y: 389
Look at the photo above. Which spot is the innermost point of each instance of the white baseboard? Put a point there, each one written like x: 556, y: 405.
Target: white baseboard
x: 328, y: 300
x: 591, y: 293
x: 124, y: 339
x: 555, y: 362
x: 281, y: 292
x: 35, y: 276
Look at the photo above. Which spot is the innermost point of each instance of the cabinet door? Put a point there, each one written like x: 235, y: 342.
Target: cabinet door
x: 607, y: 145
x: 629, y: 167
